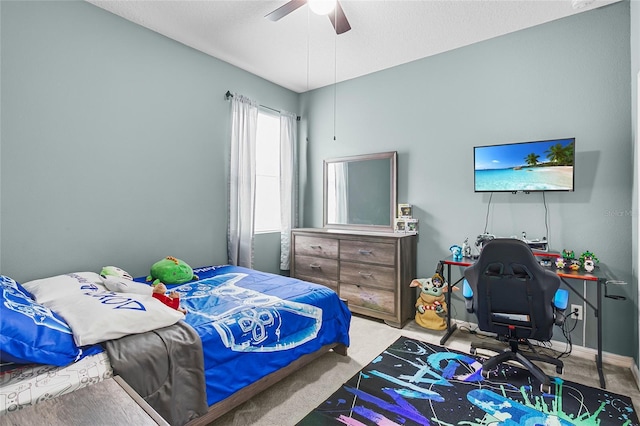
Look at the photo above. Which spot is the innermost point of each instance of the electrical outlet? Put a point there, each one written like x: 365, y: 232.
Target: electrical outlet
x: 576, y: 310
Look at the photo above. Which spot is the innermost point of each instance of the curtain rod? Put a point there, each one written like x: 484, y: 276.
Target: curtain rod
x: 230, y: 95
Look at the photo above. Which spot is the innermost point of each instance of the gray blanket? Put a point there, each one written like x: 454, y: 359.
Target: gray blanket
x: 166, y: 368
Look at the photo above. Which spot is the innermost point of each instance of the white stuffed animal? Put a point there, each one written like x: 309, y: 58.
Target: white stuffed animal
x: 117, y: 280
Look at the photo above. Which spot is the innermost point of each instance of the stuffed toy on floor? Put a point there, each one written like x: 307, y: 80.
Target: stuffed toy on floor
x: 431, y: 308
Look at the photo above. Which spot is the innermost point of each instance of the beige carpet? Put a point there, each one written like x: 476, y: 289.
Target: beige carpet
x: 288, y: 401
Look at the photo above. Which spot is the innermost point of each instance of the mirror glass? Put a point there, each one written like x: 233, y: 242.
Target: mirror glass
x: 360, y: 192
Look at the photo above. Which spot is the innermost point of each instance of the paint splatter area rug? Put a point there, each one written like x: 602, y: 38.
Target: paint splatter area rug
x: 416, y: 383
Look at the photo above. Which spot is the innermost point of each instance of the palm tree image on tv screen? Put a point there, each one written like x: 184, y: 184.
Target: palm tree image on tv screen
x: 525, y: 166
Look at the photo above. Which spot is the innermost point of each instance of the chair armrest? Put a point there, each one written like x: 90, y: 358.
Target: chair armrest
x: 467, y: 293
x: 560, y: 302
x: 561, y: 299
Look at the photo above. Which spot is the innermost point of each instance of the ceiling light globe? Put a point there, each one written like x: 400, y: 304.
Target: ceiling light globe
x: 580, y: 4
x: 322, y: 7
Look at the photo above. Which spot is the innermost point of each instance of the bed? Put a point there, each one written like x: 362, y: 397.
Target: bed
x: 244, y: 331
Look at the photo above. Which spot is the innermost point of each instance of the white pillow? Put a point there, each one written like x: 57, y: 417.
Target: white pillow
x: 96, y: 314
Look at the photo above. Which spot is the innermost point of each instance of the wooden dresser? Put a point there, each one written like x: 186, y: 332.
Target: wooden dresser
x: 372, y: 270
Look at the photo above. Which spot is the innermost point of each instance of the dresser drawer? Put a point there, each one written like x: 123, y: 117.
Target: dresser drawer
x: 316, y: 246
x: 369, y: 275
x: 332, y: 284
x: 371, y: 252
x: 317, y: 267
x: 369, y: 298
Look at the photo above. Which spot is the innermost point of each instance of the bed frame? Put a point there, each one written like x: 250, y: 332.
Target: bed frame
x: 220, y: 408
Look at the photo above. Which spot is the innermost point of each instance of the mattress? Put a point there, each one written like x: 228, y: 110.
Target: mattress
x: 29, y: 384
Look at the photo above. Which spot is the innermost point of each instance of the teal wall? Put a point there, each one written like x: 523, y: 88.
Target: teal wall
x: 566, y: 78
x: 114, y: 143
x: 111, y: 134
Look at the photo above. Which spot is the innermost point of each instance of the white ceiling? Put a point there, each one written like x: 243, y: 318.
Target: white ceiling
x: 302, y: 52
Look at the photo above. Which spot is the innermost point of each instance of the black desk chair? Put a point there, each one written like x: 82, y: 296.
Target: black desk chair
x: 513, y: 296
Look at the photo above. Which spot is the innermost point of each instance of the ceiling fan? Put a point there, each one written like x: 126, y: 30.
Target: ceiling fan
x: 336, y: 16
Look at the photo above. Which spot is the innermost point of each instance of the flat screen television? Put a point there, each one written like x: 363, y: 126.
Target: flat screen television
x: 525, y: 166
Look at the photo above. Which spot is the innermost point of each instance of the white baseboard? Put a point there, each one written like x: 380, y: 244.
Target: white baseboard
x: 636, y: 374
x: 579, y: 351
x: 590, y: 353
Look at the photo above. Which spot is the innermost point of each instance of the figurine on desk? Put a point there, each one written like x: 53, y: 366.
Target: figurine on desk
x: 588, y: 261
x: 567, y: 257
x: 466, y: 248
x: 569, y: 261
x: 456, y: 252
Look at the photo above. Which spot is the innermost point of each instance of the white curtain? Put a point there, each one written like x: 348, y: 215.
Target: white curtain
x: 342, y: 202
x: 242, y: 180
x: 288, y: 185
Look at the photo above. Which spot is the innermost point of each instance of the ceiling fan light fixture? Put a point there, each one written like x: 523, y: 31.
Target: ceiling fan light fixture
x: 580, y: 4
x: 322, y: 7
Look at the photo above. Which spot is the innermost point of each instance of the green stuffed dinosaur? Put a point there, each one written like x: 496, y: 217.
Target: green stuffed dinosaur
x: 171, y: 271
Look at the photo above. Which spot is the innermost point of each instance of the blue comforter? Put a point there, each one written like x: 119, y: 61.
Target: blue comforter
x: 253, y: 323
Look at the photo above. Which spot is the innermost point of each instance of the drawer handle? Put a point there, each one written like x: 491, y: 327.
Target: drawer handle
x: 315, y: 246
x: 363, y: 251
x: 365, y: 274
x: 314, y: 266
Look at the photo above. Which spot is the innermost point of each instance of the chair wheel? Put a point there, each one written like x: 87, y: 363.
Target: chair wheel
x: 484, y: 373
x: 545, y: 388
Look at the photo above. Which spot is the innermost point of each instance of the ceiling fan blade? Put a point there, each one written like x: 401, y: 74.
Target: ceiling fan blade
x: 339, y: 20
x: 285, y: 9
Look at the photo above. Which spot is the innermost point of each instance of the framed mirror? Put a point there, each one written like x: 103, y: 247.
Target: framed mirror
x: 360, y: 192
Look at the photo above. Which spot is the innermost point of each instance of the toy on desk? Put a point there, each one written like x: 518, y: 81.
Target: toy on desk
x: 588, y: 261
x: 546, y: 262
x: 456, y: 251
x: 431, y: 308
x: 574, y: 264
x: 569, y: 260
x: 560, y: 263
x: 466, y: 248
x: 568, y: 255
x: 483, y: 239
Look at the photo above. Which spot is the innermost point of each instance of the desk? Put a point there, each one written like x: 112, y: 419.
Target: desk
x: 596, y: 277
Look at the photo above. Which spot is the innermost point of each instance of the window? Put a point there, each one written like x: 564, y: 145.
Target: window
x: 267, y: 217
